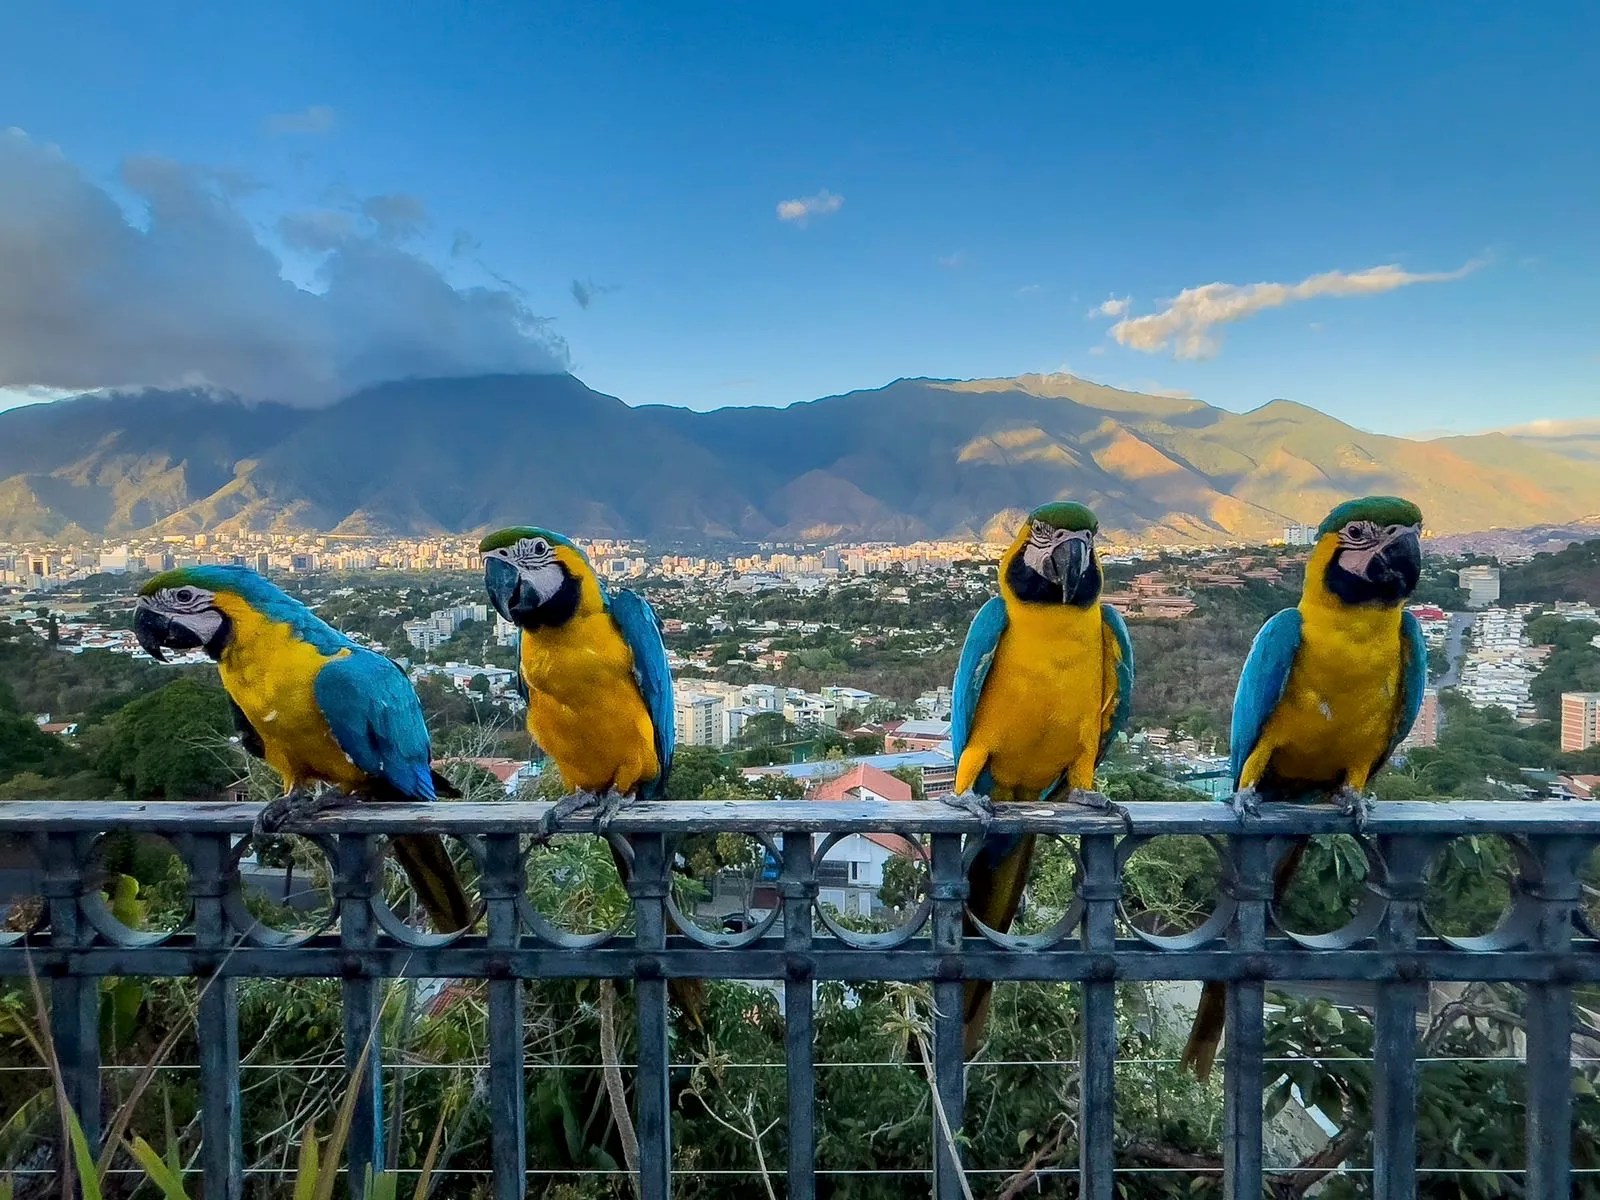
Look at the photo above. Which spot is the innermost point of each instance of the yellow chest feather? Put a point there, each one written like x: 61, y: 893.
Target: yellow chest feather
x: 1339, y: 710
x: 1040, y: 712
x: 584, y: 706
x: 271, y: 675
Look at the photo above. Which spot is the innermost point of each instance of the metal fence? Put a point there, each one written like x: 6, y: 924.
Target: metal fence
x: 1545, y: 943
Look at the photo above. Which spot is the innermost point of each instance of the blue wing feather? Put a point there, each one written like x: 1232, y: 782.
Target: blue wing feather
x: 977, y: 656
x: 1413, y: 683
x: 1118, y: 629
x: 1261, y: 683
x: 375, y: 716
x: 637, y: 622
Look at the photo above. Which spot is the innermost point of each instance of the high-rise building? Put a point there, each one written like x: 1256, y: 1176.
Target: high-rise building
x: 1482, y: 585
x: 1426, y: 730
x: 1580, y: 720
x: 1299, y: 535
x: 698, y: 718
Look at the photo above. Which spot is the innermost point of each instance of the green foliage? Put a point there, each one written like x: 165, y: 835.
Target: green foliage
x: 171, y: 744
x: 1573, y: 665
x: 1570, y: 574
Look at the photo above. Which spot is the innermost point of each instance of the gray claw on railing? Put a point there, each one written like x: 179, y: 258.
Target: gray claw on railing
x: 1355, y: 805
x: 611, y: 804
x: 296, y: 805
x: 1246, y: 804
x: 563, y: 808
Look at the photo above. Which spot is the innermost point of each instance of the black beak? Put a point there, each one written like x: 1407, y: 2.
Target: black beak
x: 1399, y: 564
x: 503, y: 582
x: 1068, y: 562
x: 156, y: 633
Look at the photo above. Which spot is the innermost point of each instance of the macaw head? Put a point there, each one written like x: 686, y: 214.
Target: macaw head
x: 534, y: 578
x: 1053, y: 560
x: 1370, y: 550
x: 186, y: 609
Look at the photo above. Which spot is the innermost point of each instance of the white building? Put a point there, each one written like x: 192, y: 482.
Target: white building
x: 847, y: 699
x: 1299, y: 535
x: 699, y: 719
x: 1482, y: 585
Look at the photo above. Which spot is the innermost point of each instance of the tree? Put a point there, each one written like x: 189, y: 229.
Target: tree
x: 171, y: 744
x: 912, y: 776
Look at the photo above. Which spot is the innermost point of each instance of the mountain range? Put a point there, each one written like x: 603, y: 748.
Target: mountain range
x: 919, y: 458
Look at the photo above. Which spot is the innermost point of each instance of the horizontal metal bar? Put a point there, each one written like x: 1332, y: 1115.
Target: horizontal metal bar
x: 978, y: 960
x: 1150, y: 819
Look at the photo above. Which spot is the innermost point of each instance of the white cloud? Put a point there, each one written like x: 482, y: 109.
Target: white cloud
x: 1097, y: 351
x: 1030, y: 289
x: 1187, y: 324
x: 804, y: 208
x: 193, y: 294
x: 1112, y: 306
x: 952, y: 261
x: 319, y: 118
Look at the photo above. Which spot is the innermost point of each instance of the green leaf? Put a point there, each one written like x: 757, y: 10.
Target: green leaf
x: 160, y: 1172
x: 306, y: 1171
x: 380, y: 1186
x: 88, y: 1179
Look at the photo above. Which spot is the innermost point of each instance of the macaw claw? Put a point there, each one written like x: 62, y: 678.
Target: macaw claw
x: 296, y: 805
x: 1100, y: 802
x: 563, y: 808
x: 1246, y: 804
x: 611, y: 804
x: 1355, y: 805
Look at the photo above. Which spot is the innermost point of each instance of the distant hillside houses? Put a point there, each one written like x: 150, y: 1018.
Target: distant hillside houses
x: 710, y: 712
x: 428, y: 633
x: 501, y: 681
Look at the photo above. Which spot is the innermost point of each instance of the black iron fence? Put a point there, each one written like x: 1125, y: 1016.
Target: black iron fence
x: 1544, y: 943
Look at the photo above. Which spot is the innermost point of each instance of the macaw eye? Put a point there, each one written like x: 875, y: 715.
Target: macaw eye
x: 541, y: 547
x: 185, y: 595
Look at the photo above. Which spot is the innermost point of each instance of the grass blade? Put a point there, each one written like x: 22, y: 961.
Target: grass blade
x: 88, y: 1178
x: 158, y: 1169
x: 306, y: 1171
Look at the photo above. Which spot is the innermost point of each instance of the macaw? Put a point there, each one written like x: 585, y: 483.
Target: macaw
x: 1329, y: 690
x: 1042, y: 689
x: 593, y: 669
x: 318, y: 707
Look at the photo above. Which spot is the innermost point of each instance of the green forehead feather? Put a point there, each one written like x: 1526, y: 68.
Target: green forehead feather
x: 1380, y: 510
x: 510, y: 537
x: 1065, y: 515
x: 168, y: 579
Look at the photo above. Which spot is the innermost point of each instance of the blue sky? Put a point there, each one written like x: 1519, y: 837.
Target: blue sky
x: 977, y: 182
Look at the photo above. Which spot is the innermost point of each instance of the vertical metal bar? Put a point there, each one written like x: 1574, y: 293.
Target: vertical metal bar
x: 502, y: 883
x: 949, y: 886
x: 648, y: 887
x: 74, y: 999
x: 1394, y: 1026
x: 363, y: 1052
x: 799, y: 888
x: 1550, y: 1021
x: 221, y: 1150
x: 1097, y: 1122
x: 1244, y: 1032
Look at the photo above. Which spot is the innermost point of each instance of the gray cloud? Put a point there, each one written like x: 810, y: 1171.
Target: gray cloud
x: 318, y: 119
x: 397, y: 216
x: 1187, y: 324
x: 192, y: 296
x: 587, y: 291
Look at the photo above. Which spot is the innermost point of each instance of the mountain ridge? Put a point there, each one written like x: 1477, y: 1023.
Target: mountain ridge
x: 916, y: 458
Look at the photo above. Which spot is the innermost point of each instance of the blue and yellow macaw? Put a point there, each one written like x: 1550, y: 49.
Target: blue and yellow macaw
x: 318, y: 707
x: 1330, y: 689
x: 1043, y: 687
x: 592, y: 668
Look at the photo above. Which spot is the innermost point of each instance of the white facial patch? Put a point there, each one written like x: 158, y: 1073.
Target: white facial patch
x: 1043, y: 539
x: 535, y: 561
x: 1362, y: 541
